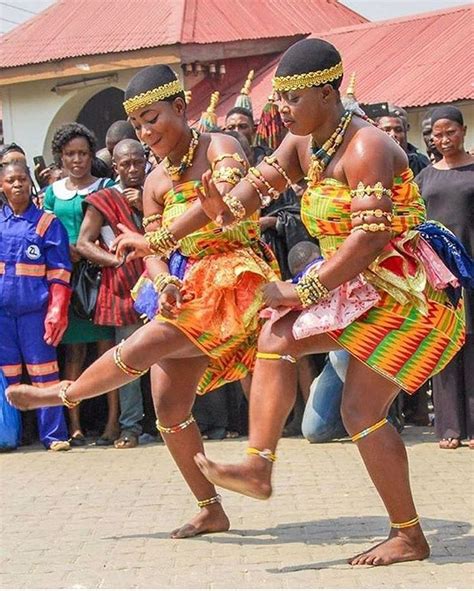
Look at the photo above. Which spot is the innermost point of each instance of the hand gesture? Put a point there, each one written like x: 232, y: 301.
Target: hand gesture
x: 212, y: 203
x: 134, y: 197
x: 130, y: 245
x: 170, y: 301
x: 280, y: 293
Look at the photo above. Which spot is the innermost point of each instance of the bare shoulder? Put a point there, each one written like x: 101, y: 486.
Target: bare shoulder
x: 371, y: 144
x: 221, y: 143
x: 156, y: 185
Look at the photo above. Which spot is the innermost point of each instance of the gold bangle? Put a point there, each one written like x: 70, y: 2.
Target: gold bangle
x: 237, y: 157
x: 227, y: 174
x: 161, y: 242
x: 211, y: 501
x: 235, y: 206
x: 164, y: 279
x: 377, y: 190
x: 272, y: 161
x: 272, y: 192
x: 64, y: 399
x: 150, y: 219
x: 371, y: 228
x: 405, y: 524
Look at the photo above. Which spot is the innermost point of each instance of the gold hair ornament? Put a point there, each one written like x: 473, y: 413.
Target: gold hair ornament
x: 152, y: 96
x: 299, y: 81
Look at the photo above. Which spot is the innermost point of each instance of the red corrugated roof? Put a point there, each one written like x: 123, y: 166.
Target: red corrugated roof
x: 411, y: 61
x: 73, y: 28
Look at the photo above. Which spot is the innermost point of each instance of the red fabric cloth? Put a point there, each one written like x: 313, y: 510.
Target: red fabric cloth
x: 114, y: 302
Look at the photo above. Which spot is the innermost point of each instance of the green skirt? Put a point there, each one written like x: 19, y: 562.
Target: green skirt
x: 85, y: 331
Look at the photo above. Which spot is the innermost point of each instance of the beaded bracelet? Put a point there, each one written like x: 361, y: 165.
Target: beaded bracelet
x: 310, y: 290
x: 272, y: 161
x: 236, y: 207
x: 264, y: 199
x: 161, y: 242
x: 162, y: 280
x: 378, y: 213
x: 150, y: 219
x: 64, y: 399
x: 274, y: 194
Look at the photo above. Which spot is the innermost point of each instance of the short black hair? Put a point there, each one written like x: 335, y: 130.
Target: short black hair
x: 120, y: 130
x: 241, y: 111
x: 68, y: 132
x: 309, y: 55
x: 12, y: 147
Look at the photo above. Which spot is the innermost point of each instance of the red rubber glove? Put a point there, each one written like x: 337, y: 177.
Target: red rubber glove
x: 56, y: 320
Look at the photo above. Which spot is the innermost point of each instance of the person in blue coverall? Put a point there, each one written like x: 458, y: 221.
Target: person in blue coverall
x: 35, y: 271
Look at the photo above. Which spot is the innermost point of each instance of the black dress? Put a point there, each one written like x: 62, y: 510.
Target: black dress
x: 449, y: 197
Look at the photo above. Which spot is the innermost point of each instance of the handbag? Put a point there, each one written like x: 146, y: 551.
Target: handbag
x: 85, y: 283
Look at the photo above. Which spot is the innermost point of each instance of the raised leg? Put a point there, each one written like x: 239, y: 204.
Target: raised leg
x: 174, y: 383
x: 366, y: 399
x: 272, y: 397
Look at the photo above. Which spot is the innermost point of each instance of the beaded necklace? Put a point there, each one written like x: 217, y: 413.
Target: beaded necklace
x: 322, y: 156
x: 175, y: 172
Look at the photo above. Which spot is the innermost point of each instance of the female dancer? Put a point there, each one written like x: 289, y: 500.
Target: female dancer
x: 206, y: 332
x: 363, y: 206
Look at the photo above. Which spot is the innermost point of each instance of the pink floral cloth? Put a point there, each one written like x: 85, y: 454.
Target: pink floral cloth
x: 436, y: 271
x: 341, y: 307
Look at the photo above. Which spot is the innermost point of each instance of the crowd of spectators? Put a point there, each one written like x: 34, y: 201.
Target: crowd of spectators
x: 93, y: 193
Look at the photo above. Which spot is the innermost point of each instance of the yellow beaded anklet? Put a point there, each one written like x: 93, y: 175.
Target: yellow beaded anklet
x: 175, y: 428
x: 266, y: 454
x: 211, y: 501
x: 127, y: 369
x: 405, y: 524
x: 275, y: 357
x: 369, y: 430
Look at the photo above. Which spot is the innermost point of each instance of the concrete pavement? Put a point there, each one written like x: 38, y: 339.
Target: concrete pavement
x: 100, y: 517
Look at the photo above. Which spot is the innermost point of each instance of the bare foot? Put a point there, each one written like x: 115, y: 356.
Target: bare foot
x: 26, y: 397
x: 398, y: 547
x: 450, y: 443
x: 252, y: 478
x: 211, y: 519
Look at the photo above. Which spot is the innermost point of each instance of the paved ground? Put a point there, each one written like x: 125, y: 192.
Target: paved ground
x: 99, y: 518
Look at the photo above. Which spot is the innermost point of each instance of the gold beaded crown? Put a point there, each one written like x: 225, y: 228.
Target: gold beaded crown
x: 152, y: 96
x: 299, y: 81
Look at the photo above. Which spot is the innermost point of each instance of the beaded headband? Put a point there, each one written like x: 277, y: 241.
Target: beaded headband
x: 152, y: 96
x: 298, y: 81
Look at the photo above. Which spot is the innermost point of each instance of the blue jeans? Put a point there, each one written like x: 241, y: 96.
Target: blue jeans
x: 131, y: 399
x: 322, y: 420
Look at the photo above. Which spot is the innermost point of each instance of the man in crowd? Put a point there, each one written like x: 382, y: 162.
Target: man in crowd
x: 395, y: 123
x: 241, y: 120
x: 121, y: 204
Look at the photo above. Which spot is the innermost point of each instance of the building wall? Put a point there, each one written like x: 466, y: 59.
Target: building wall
x: 416, y: 116
x: 32, y: 112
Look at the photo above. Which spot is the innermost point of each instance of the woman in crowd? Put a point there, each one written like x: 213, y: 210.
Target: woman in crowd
x: 209, y: 288
x: 73, y: 148
x: 363, y: 205
x: 448, y: 189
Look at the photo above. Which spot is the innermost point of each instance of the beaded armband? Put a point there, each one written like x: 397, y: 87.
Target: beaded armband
x: 227, y: 174
x: 376, y: 213
x: 164, y: 279
x: 151, y: 218
x: 161, y: 242
x: 271, y: 191
x: 272, y: 161
x: 237, y: 157
x: 372, y: 228
x: 264, y: 199
x: 310, y: 290
x: 378, y: 190
x: 236, y: 207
